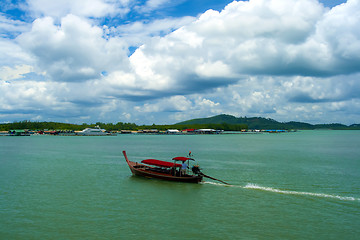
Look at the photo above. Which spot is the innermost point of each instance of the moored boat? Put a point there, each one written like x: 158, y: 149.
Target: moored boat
x: 97, y: 131
x: 171, y: 171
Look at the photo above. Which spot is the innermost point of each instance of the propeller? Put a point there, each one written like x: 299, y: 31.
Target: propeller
x: 196, y: 170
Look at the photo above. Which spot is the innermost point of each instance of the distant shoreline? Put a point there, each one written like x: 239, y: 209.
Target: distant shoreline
x: 116, y: 133
x: 220, y: 122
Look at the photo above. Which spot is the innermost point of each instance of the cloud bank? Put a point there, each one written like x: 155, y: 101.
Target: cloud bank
x: 284, y: 59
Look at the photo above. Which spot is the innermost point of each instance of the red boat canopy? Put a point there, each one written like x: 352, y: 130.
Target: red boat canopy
x: 160, y: 163
x: 182, y: 159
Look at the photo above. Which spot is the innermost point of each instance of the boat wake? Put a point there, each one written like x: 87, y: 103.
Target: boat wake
x: 219, y: 184
x: 323, y: 195
x: 287, y: 192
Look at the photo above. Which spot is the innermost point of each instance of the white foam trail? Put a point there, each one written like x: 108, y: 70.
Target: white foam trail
x: 269, y: 189
x: 274, y: 190
x: 220, y: 184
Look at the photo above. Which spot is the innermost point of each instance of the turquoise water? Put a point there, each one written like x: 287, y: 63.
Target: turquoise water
x: 303, y: 185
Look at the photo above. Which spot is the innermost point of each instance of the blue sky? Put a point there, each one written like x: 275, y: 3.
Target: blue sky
x: 163, y: 61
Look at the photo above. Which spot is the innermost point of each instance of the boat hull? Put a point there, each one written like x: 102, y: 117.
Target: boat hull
x: 142, y: 170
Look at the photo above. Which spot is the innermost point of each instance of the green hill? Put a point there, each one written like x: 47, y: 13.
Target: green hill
x: 252, y: 123
x: 263, y: 123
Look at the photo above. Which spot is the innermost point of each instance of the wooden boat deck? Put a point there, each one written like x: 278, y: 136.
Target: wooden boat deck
x: 139, y: 169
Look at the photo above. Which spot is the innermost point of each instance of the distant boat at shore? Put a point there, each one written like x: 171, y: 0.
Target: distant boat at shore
x: 97, y: 131
x: 18, y: 132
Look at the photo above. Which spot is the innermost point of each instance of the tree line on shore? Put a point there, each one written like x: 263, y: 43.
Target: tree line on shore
x: 219, y: 122
x: 115, y: 127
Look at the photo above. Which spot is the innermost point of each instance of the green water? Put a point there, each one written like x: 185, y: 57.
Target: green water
x: 303, y: 185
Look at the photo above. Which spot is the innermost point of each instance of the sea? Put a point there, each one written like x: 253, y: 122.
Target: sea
x: 296, y: 185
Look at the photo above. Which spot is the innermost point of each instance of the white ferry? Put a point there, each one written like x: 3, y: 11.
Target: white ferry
x: 97, y: 131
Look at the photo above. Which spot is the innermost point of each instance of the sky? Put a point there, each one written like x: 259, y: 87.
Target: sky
x: 166, y: 61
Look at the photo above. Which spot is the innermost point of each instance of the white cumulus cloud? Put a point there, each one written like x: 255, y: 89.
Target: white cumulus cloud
x: 74, y: 50
x: 273, y: 58
x: 83, y: 8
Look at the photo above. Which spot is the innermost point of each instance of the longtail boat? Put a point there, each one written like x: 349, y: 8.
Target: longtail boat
x: 171, y: 171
